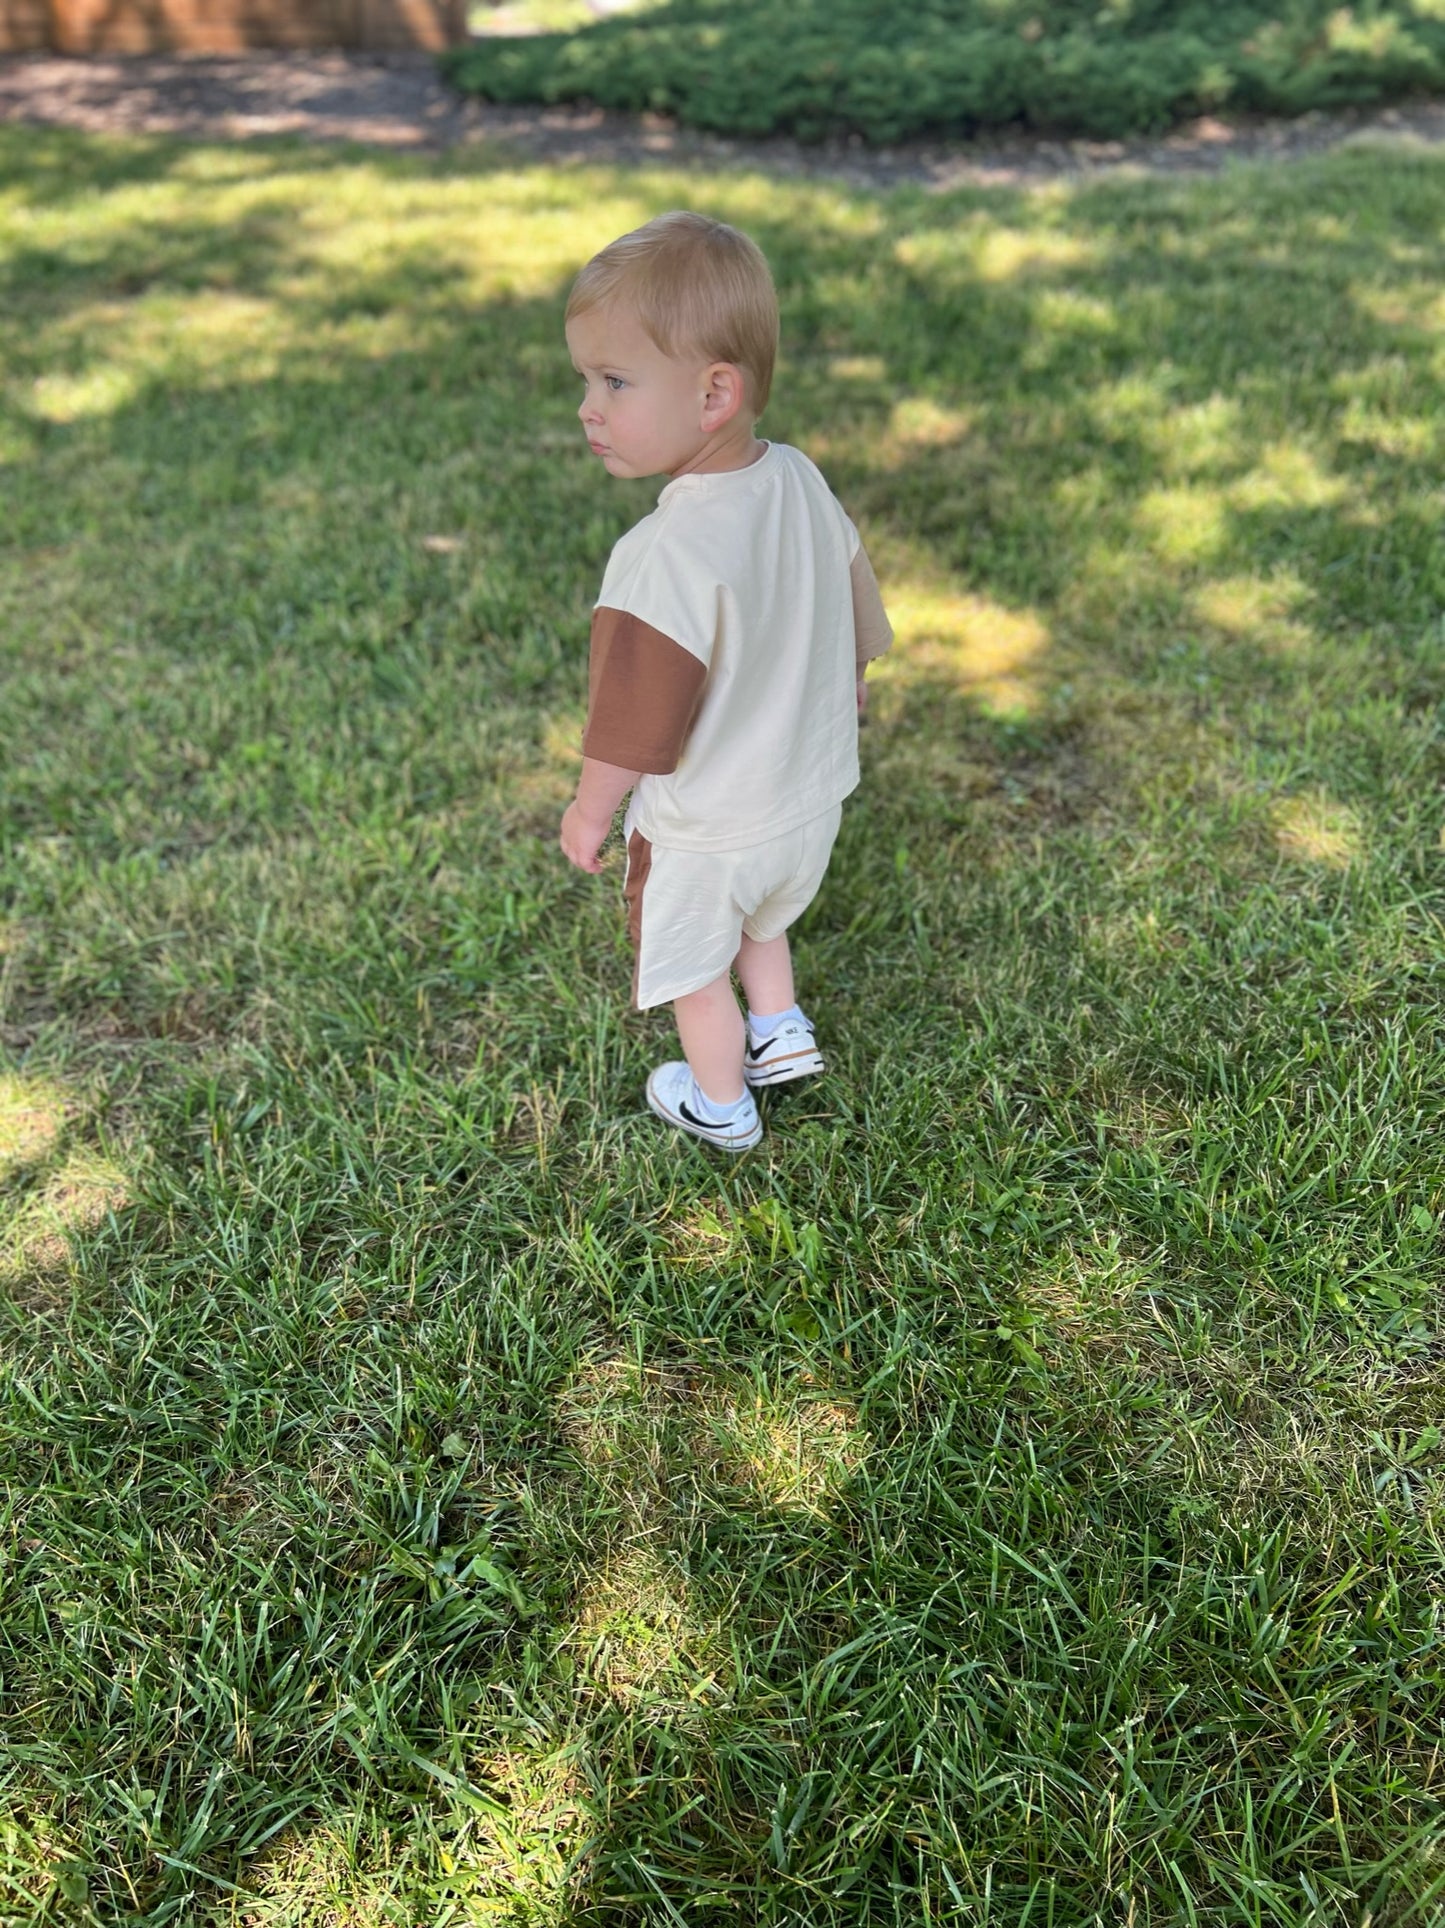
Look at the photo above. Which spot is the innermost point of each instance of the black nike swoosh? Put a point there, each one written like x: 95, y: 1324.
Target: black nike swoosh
x: 692, y: 1118
x: 754, y: 1054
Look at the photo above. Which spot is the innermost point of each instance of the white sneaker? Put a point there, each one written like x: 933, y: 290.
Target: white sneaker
x: 789, y: 1053
x: 672, y: 1095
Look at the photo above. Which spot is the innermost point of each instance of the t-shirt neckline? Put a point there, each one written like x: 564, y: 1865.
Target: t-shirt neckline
x: 722, y: 478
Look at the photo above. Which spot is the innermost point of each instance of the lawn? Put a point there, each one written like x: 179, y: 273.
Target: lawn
x: 433, y: 1496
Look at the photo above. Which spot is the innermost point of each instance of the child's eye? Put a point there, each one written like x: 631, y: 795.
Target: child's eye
x: 615, y: 382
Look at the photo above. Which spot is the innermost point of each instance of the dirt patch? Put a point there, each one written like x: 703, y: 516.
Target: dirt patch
x: 400, y: 101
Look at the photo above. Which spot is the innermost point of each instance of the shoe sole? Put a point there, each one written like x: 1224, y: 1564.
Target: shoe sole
x: 723, y: 1140
x: 802, y: 1064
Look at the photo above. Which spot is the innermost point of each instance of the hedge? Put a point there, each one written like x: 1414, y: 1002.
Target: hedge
x: 891, y: 71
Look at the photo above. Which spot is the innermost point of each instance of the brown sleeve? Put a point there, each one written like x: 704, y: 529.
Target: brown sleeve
x: 872, y: 630
x: 643, y: 691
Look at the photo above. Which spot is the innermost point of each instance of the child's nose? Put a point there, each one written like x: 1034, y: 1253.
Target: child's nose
x: 588, y: 411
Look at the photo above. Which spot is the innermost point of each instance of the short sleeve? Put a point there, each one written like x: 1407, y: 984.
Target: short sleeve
x: 643, y: 692
x: 872, y: 631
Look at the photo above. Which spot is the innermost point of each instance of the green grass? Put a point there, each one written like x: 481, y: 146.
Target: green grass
x: 537, y: 16
x: 431, y: 1496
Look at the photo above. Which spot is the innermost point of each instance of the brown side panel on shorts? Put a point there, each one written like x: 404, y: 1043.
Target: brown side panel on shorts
x: 639, y: 862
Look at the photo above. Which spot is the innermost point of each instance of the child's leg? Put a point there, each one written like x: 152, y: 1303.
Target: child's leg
x: 781, y: 1044
x: 766, y: 971
x: 710, y: 1026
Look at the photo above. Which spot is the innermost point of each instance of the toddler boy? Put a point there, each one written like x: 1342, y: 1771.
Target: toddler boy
x: 729, y: 644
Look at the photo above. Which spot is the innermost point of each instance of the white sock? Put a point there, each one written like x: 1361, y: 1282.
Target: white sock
x: 712, y: 1114
x: 766, y: 1027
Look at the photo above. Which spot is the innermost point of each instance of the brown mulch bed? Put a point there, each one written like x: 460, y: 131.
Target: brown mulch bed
x: 400, y: 101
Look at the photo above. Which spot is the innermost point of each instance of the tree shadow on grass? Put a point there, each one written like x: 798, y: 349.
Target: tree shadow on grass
x: 344, y: 1495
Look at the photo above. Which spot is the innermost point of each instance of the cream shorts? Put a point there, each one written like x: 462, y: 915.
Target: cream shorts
x: 687, y: 910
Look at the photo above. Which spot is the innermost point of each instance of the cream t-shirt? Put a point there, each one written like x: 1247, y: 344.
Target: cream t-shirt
x: 731, y: 627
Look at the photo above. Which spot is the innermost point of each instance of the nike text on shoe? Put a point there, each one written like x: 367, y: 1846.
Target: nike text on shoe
x: 789, y: 1053
x: 670, y: 1094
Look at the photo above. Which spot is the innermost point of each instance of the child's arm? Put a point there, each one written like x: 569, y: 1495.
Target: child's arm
x: 871, y: 628
x: 643, y: 689
x: 588, y: 818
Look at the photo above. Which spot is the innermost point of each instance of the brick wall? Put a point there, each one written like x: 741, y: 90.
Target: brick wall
x: 226, y: 26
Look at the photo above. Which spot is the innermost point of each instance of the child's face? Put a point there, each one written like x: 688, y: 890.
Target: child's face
x: 645, y: 413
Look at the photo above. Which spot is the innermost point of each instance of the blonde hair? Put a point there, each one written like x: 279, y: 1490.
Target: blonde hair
x: 697, y: 286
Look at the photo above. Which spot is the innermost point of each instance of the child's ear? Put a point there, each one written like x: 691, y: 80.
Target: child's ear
x: 726, y: 392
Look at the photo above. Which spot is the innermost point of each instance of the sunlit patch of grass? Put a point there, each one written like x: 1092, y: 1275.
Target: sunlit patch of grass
x: 1410, y: 438
x: 1136, y: 931
x: 99, y: 391
x: 997, y: 253
x: 1318, y: 830
x: 858, y: 368
x: 42, y: 1870
x: 1185, y: 524
x: 1287, y: 476
x: 796, y: 1452
x: 310, y: 1874
x: 542, y: 16
x: 214, y: 337
x: 1418, y: 305
x: 1069, y: 311
x: 526, y: 251
x: 1143, y: 402
x: 55, y: 1186
x: 703, y: 1236
x: 1097, y: 1301
x: 970, y: 643
x: 1200, y: 440
x: 74, y: 1198
x: 561, y: 746
x: 32, y: 1115
x: 643, y: 1645
x: 510, y: 1854
x: 1260, y: 608
x: 610, y: 1413
x: 525, y: 1856
x: 918, y: 423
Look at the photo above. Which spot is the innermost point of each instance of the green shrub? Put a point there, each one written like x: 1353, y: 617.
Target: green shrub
x: 953, y: 67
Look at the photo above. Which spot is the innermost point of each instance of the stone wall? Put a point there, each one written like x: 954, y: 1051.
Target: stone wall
x: 227, y: 26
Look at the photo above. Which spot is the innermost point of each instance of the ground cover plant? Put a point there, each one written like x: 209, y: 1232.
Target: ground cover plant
x: 431, y: 1495
x: 952, y: 67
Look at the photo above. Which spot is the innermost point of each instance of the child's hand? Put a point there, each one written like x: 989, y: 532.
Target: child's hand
x: 581, y: 839
x: 862, y: 697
